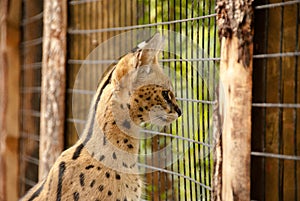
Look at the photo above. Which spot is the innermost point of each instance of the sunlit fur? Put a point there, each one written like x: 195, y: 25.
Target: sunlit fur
x: 102, y: 165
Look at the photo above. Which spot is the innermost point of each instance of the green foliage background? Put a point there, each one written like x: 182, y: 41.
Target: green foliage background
x: 194, y: 81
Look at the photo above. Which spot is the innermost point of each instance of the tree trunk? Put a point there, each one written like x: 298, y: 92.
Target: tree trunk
x: 235, y: 30
x: 53, y: 84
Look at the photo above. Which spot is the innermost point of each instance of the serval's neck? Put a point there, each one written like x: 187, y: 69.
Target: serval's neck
x: 108, y: 139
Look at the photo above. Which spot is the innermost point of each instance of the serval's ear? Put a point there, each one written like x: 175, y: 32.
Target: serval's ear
x: 137, y: 66
x: 147, y: 51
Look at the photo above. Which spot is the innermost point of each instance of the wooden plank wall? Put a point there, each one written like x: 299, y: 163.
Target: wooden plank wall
x: 10, y: 73
x: 276, y: 135
x: 275, y: 129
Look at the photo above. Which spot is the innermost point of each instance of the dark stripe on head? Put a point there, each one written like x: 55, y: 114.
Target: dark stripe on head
x: 77, y: 152
x: 62, y: 168
x: 91, y: 126
x: 37, y: 192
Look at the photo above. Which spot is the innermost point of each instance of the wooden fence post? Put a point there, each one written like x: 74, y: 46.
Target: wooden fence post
x: 53, y: 84
x: 234, y: 19
x: 3, y: 95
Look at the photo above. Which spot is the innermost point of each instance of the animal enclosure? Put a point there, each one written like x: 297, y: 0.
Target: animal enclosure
x: 192, y: 66
x: 98, y: 32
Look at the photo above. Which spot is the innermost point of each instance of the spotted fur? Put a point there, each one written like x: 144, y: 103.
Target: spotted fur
x: 102, y: 165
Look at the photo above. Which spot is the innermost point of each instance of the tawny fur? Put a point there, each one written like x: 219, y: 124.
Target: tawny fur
x: 102, y: 165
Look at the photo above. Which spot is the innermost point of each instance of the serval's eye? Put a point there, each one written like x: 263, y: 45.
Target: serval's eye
x: 166, y: 96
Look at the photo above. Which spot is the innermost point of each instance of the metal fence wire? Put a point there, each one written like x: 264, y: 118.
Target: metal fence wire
x: 30, y: 92
x: 275, y: 161
x: 275, y: 169
x: 192, y: 68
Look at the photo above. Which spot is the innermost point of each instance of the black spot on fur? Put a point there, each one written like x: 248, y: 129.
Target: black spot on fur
x: 139, y: 115
x: 92, y: 183
x: 136, y: 100
x: 128, y: 106
x: 126, y: 185
x: 141, y: 109
x: 98, y: 168
x: 89, y: 167
x: 77, y: 151
x: 114, y: 156
x: 107, y: 174
x: 125, y: 165
x: 114, y: 122
x: 118, y: 141
x: 104, y: 140
x: 141, y: 96
x: 130, y: 146
x: 118, y: 177
x: 100, y: 188
x: 126, y: 124
x: 146, y: 108
x: 109, y: 193
x: 101, y: 158
x: 125, y: 140
x: 148, y: 98
x: 81, y: 177
x: 76, y: 196
x: 121, y: 106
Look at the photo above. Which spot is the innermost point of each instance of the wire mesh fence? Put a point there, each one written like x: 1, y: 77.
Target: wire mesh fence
x: 30, y: 91
x: 191, y: 60
x: 275, y: 159
x: 192, y: 70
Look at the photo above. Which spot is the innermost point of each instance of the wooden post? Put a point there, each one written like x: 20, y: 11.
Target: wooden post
x: 3, y: 95
x: 53, y: 84
x: 235, y: 30
x: 217, y: 171
x: 11, y: 81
